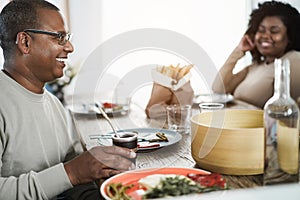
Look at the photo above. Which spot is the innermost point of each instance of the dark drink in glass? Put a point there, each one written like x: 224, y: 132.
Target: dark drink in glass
x: 128, y: 140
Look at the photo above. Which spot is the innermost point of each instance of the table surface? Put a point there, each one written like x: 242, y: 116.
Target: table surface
x: 176, y: 155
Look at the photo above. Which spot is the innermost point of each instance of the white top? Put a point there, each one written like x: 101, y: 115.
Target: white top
x: 34, y: 141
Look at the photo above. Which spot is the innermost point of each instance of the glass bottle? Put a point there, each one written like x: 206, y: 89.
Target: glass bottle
x: 281, y: 125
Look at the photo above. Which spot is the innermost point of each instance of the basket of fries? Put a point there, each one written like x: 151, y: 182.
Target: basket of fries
x: 171, y: 76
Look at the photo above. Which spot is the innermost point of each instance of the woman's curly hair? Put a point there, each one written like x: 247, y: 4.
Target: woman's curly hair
x: 289, y: 16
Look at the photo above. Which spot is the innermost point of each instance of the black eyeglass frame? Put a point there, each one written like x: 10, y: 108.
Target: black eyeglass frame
x: 63, y: 38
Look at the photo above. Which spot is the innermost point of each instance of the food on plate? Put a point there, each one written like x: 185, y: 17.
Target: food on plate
x: 113, y: 106
x: 162, y: 185
x: 172, y: 186
x: 117, y: 191
x: 167, y: 185
x: 108, y: 105
x: 161, y: 137
x: 153, y: 180
x: 173, y: 72
x: 142, y: 145
x: 210, y: 181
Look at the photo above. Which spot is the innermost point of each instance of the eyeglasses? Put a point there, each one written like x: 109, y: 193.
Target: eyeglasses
x: 63, y: 38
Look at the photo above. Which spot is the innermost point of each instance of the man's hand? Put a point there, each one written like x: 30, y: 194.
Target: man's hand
x: 99, y: 162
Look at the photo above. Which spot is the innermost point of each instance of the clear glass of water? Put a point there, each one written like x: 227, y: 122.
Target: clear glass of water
x: 179, y: 118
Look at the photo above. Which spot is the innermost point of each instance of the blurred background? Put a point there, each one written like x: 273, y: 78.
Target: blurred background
x: 215, y: 25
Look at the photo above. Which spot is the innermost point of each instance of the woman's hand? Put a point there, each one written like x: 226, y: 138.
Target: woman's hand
x: 246, y: 44
x: 99, y: 162
x: 226, y: 81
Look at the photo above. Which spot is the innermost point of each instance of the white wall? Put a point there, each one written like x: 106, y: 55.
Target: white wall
x: 214, y: 28
x: 214, y: 25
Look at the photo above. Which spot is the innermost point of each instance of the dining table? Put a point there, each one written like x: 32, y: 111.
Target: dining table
x: 91, y: 127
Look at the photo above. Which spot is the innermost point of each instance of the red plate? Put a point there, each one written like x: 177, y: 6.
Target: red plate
x: 132, y: 177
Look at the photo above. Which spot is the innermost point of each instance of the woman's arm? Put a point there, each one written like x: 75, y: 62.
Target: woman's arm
x: 294, y: 58
x: 226, y: 81
x: 162, y: 96
x: 159, y: 99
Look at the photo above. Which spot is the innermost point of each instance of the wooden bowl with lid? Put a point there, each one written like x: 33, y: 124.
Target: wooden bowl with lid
x: 229, y: 141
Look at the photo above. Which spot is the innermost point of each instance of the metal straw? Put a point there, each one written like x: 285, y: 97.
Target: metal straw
x: 107, y: 118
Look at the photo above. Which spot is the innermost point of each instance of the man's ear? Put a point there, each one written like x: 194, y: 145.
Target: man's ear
x: 23, y: 42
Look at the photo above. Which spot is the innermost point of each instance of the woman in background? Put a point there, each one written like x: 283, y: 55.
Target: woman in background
x: 273, y: 32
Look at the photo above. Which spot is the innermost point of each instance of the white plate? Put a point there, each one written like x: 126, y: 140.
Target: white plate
x: 146, y: 133
x: 216, y: 98
x: 90, y: 109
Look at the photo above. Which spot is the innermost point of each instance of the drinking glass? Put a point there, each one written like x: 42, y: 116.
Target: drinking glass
x: 128, y: 140
x: 179, y: 118
x: 210, y: 106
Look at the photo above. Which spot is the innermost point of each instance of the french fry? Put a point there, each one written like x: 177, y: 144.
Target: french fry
x: 159, y: 68
x: 189, y: 67
x: 163, y: 70
x: 183, y: 71
x: 169, y: 72
x: 175, y: 72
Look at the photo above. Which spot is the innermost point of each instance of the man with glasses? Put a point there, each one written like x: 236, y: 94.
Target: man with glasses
x: 38, y: 157
x: 62, y: 37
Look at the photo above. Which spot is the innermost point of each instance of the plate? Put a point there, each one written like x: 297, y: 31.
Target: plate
x: 91, y: 109
x: 146, y: 134
x: 132, y: 177
x: 216, y: 98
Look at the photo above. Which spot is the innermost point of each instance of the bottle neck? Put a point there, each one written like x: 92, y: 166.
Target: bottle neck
x: 282, y: 78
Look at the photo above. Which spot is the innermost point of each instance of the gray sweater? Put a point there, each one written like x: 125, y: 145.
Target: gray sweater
x: 34, y: 142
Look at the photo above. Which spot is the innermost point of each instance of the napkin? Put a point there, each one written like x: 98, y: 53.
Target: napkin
x: 169, y: 87
x: 170, y: 81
